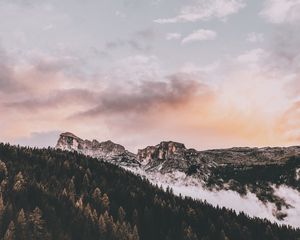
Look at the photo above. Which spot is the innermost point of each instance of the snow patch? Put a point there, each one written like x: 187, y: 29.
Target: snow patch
x: 248, y: 204
x: 292, y: 198
x: 298, y: 174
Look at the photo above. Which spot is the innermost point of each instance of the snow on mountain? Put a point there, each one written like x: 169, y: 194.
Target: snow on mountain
x: 206, y: 175
x: 297, y: 174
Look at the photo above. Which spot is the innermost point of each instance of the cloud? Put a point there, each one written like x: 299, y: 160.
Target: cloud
x: 173, y: 36
x: 120, y: 14
x: 200, y: 35
x: 116, y: 99
x: 56, y: 99
x: 254, y: 37
x: 240, y: 100
x: 139, y: 41
x: 7, y: 83
x: 146, y: 34
x: 281, y: 11
x: 136, y: 98
x: 131, y: 43
x: 285, y: 49
x: 145, y: 96
x: 205, y: 10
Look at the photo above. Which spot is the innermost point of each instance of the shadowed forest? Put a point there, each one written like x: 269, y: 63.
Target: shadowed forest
x: 54, y: 194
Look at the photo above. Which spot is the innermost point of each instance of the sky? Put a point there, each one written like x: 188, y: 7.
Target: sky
x: 208, y: 73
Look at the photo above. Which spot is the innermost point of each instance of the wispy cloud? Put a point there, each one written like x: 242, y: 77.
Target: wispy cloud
x: 146, y: 96
x: 131, y: 43
x: 173, y: 36
x: 281, y: 11
x: 199, y: 35
x: 56, y: 99
x: 254, y: 37
x: 135, y: 91
x: 149, y: 89
x: 205, y: 10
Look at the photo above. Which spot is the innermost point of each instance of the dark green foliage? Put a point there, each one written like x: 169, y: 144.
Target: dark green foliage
x: 257, y: 178
x: 274, y: 173
x: 52, y: 194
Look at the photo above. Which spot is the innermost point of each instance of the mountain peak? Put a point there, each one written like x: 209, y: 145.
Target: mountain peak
x: 163, y: 151
x: 170, y: 144
x: 106, y: 150
x: 68, y: 134
x: 69, y: 141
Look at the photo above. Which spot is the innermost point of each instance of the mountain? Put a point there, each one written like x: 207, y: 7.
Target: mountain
x: 63, y: 195
x: 112, y: 152
x: 267, y: 179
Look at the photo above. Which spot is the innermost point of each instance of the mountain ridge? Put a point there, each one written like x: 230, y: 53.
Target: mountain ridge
x: 54, y: 194
x: 170, y: 150
x: 259, y: 174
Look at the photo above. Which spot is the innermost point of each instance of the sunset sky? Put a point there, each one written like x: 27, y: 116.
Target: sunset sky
x: 209, y: 73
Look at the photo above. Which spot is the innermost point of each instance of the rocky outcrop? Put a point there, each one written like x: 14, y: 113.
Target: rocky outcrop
x: 251, y: 156
x: 242, y: 170
x: 161, y: 152
x: 107, y: 151
x: 171, y: 156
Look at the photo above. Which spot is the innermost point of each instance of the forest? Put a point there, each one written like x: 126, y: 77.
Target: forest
x: 258, y: 179
x: 54, y: 194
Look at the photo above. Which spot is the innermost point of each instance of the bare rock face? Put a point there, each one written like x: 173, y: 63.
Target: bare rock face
x: 244, y: 156
x: 240, y: 169
x: 168, y: 157
x: 171, y: 156
x: 107, y: 150
x: 161, y: 152
x: 68, y: 141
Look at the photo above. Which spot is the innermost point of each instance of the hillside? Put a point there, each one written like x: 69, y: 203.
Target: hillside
x: 54, y: 194
x: 261, y: 182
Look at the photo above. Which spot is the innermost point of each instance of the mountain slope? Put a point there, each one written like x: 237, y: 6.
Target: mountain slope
x: 54, y: 194
x: 267, y: 177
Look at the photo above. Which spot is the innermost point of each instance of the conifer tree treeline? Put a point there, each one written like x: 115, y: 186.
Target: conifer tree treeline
x: 52, y: 194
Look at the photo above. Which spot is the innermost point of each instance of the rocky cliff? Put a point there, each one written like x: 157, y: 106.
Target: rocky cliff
x: 107, y: 150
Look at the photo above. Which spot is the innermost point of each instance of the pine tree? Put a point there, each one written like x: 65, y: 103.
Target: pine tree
x: 72, y: 190
x: 122, y: 231
x: 19, y: 182
x: 113, y: 233
x: 109, y: 222
x: 94, y: 216
x: 2, y: 208
x: 135, y: 233
x: 21, y: 225
x: 102, y: 225
x: 64, y: 193
x: 8, y: 214
x: 4, y: 184
x: 188, y: 234
x: 79, y: 203
x: 222, y: 236
x: 37, y: 225
x: 10, y: 233
x: 105, y: 202
x: 121, y: 214
x: 135, y: 217
x: 3, y: 171
x: 86, y: 182
x: 88, y: 211
x: 97, y: 196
